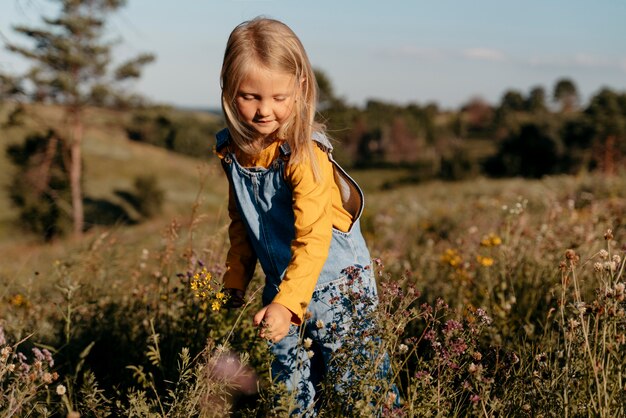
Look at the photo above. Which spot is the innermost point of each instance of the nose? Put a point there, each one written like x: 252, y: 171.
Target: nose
x: 263, y: 109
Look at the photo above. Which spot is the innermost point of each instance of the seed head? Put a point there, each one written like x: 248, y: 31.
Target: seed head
x: 307, y: 343
x: 608, y: 234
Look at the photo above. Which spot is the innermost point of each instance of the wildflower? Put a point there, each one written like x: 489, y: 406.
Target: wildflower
x: 403, y: 348
x: 474, y: 368
x: 307, y: 343
x: 619, y: 291
x: 604, y: 254
x: 220, y: 296
x: 572, y: 256
x: 608, y: 235
x: 477, y: 356
x: 319, y: 324
x: 310, y: 353
x: 201, y: 283
x: 485, y: 261
x: 216, y: 306
x: 5, y: 352
x: 451, y: 326
x: 491, y: 240
x: 11, y: 367
x: 61, y: 390
x: 451, y: 257
x: 610, y: 266
x: 482, y: 315
x: 598, y: 267
x: 617, y: 259
x: 47, y: 378
x: 475, y: 398
x: 423, y: 375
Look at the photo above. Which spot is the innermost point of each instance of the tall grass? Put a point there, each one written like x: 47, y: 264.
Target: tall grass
x: 498, y: 298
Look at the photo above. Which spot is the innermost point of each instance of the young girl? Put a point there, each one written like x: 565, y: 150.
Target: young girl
x: 293, y: 209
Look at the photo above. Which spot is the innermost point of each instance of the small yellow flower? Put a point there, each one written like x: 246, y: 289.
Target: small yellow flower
x: 451, y: 257
x: 491, y: 240
x: 18, y: 300
x: 220, y: 296
x: 485, y: 261
x: 216, y: 306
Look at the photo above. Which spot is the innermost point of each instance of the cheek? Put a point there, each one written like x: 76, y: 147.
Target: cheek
x: 284, y: 112
x: 244, y: 109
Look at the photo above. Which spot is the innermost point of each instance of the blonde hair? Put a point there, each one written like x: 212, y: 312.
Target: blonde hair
x: 273, y: 45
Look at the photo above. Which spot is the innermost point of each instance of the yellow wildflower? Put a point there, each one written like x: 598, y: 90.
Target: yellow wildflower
x: 491, y: 240
x: 216, y: 306
x: 451, y: 257
x: 18, y: 300
x: 485, y: 261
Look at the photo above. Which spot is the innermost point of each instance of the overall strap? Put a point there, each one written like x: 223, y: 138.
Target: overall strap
x: 223, y: 139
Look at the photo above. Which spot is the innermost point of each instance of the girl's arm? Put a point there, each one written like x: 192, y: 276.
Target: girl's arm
x: 241, y: 258
x: 313, y: 212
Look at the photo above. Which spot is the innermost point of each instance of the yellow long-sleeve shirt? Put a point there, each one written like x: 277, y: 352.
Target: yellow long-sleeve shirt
x: 317, y: 209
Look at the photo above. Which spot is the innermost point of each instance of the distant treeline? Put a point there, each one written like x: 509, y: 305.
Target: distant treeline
x: 524, y: 135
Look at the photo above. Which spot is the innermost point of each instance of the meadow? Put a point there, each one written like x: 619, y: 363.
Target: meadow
x: 497, y: 298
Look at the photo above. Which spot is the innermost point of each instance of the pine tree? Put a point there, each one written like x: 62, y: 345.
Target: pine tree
x: 71, y: 67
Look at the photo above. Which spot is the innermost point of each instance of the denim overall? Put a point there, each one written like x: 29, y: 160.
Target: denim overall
x: 345, y: 290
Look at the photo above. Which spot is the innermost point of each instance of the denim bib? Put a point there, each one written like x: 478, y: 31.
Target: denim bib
x: 264, y: 200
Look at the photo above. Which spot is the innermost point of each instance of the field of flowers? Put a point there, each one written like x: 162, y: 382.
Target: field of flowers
x: 498, y: 298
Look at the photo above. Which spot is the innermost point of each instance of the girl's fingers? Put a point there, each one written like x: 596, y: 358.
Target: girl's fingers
x: 259, y: 316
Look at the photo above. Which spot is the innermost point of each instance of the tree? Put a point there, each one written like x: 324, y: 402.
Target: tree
x: 536, y: 102
x: 566, y: 94
x: 512, y: 101
x: 532, y: 152
x: 40, y: 185
x: 71, y: 67
x: 608, y: 118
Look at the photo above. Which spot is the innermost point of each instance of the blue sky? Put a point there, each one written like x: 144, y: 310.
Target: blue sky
x: 446, y: 51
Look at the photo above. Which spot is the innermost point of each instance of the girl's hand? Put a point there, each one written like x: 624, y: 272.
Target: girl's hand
x: 274, y: 320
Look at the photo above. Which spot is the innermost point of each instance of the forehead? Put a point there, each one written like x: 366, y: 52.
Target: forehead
x: 259, y: 79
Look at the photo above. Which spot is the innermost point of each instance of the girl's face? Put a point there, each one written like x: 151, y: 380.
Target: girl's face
x: 265, y: 100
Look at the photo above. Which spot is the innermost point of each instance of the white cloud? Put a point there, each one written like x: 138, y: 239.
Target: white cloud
x: 484, y: 54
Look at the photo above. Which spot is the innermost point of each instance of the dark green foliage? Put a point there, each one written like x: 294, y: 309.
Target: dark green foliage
x: 149, y: 196
x: 536, y: 101
x: 40, y: 186
x: 565, y: 93
x: 533, y: 152
x: 176, y: 131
